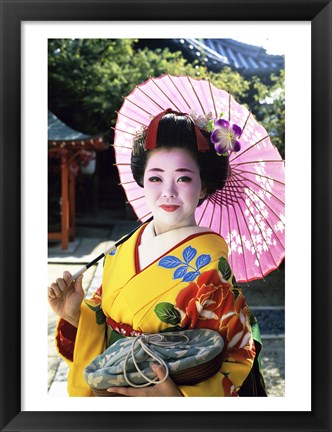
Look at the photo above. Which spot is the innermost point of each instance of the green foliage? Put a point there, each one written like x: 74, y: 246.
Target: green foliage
x: 89, y: 77
x: 269, y: 106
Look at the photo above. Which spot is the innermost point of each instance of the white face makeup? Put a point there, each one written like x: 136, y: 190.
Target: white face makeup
x: 172, y: 187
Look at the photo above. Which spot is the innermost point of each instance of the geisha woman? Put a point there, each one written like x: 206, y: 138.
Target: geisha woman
x: 171, y: 274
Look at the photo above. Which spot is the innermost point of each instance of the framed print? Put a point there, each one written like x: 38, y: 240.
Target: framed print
x: 24, y: 405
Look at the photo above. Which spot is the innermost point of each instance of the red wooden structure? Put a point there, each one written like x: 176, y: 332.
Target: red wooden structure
x: 70, y: 146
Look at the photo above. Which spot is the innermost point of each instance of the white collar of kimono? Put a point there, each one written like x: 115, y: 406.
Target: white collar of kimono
x: 153, y: 246
x: 177, y: 234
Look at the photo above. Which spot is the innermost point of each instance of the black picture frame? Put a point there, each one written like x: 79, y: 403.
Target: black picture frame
x: 319, y: 12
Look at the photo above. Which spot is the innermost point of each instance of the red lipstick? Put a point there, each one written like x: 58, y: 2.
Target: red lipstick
x: 169, y: 208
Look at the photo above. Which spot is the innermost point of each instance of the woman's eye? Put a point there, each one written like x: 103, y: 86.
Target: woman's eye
x: 154, y: 179
x: 184, y: 179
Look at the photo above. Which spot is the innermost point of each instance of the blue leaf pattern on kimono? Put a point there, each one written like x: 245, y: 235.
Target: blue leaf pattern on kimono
x: 190, y: 276
x: 170, y: 262
x: 189, y: 253
x: 202, y: 261
x: 180, y: 272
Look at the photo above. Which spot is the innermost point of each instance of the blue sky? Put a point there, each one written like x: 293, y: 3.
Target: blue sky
x: 272, y: 44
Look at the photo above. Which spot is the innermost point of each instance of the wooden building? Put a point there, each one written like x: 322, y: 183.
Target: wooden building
x: 69, y: 151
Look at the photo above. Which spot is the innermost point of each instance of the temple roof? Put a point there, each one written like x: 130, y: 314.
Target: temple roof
x: 59, y: 134
x: 218, y: 53
x: 59, y: 131
x: 247, y: 59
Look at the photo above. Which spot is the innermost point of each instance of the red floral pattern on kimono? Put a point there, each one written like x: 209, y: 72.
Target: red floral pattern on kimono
x: 95, y: 300
x: 213, y: 303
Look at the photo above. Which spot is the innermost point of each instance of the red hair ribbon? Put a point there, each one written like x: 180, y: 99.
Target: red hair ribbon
x: 151, y: 137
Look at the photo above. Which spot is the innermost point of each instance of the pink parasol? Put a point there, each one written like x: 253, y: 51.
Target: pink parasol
x: 249, y: 211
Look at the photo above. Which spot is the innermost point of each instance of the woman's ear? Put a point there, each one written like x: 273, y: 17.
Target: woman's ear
x: 203, y: 192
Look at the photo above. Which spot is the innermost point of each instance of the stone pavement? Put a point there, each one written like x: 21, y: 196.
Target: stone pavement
x: 265, y: 297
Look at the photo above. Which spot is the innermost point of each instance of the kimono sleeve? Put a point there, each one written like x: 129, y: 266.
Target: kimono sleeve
x: 220, y: 305
x: 78, y: 347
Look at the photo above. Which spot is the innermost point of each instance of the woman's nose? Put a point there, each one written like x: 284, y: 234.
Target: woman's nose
x: 169, y: 191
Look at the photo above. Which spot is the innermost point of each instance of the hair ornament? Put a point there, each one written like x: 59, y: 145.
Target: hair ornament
x: 205, y: 122
x: 224, y: 135
x: 151, y: 136
x: 140, y: 139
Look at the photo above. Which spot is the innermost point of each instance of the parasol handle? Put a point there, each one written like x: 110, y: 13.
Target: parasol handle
x: 109, y: 250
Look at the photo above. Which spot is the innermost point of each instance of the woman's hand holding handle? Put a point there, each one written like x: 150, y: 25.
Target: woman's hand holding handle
x: 65, y: 297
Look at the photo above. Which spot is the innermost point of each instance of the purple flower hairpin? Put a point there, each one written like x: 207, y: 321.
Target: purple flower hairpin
x: 225, y: 137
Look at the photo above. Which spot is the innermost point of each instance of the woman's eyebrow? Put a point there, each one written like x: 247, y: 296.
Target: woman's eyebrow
x: 156, y: 169
x: 177, y: 170
x: 183, y: 170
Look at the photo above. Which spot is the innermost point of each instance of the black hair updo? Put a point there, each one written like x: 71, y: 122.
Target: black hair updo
x: 178, y: 131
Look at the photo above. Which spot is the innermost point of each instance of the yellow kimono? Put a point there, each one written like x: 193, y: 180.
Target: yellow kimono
x: 189, y: 286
